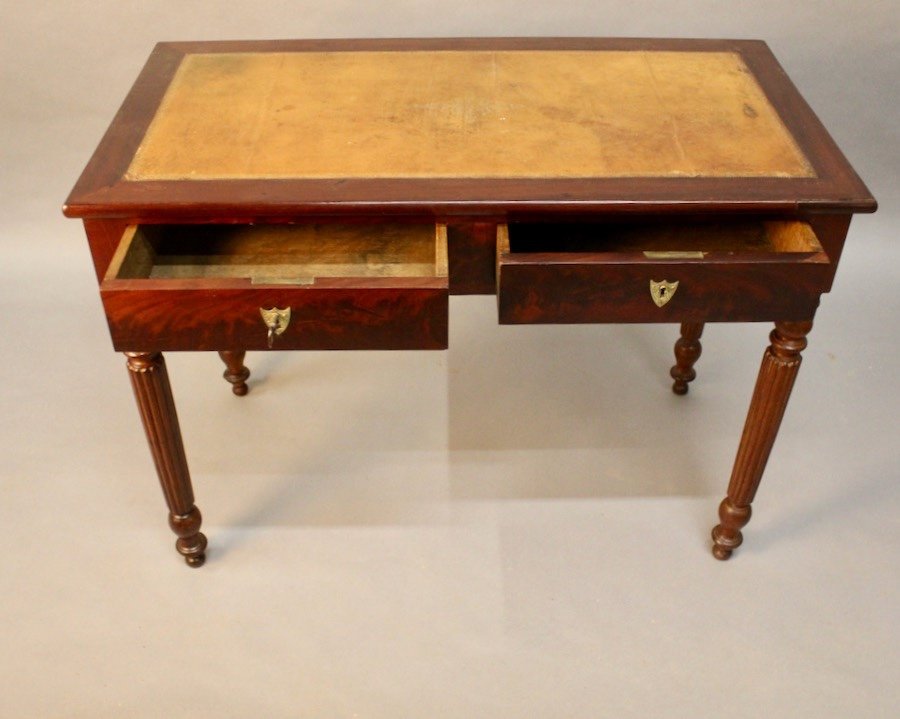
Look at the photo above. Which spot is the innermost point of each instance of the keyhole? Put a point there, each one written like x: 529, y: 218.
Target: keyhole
x: 662, y: 292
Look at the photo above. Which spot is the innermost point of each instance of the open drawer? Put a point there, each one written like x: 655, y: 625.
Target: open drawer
x: 645, y: 271
x: 291, y: 286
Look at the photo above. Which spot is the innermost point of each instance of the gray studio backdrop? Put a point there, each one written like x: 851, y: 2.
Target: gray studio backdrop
x: 417, y: 558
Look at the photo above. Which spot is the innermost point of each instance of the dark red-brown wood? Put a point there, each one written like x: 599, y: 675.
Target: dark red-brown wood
x: 831, y: 231
x: 573, y: 287
x: 147, y: 316
x: 780, y: 364
x: 235, y: 371
x: 103, y: 239
x: 471, y: 250
x: 153, y: 393
x: 687, y: 352
x: 210, y: 315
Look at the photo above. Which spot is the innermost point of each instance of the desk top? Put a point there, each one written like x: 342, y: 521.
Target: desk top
x: 465, y: 113
x: 464, y: 126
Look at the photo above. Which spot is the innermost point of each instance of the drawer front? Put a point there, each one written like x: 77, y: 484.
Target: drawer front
x: 658, y: 286
x: 336, y: 318
x: 177, y: 288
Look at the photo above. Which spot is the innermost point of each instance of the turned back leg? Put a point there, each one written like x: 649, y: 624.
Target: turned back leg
x: 687, y: 352
x: 235, y: 371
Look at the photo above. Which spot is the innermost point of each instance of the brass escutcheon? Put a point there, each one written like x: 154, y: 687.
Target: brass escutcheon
x: 662, y: 291
x: 276, y: 321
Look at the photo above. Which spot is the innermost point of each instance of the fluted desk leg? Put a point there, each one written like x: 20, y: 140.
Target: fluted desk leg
x: 150, y: 381
x: 773, y: 388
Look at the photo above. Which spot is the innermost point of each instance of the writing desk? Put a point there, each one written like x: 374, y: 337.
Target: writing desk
x: 290, y: 195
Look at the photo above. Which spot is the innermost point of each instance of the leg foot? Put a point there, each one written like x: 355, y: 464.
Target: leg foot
x: 780, y: 364
x: 153, y: 393
x: 235, y: 371
x: 687, y: 352
x: 191, y: 542
x: 727, y: 536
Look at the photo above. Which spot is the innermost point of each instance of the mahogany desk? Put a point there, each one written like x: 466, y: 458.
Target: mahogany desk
x: 318, y: 194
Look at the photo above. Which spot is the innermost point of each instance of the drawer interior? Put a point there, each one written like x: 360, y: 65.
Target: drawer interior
x: 281, y: 254
x: 660, y: 239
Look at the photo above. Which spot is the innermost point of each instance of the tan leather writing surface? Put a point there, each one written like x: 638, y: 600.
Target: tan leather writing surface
x: 537, y: 114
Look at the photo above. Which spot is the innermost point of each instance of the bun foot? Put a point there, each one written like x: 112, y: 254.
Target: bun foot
x: 196, y: 560
x: 721, y: 553
x: 727, y: 536
x: 725, y: 542
x: 240, y: 389
x: 193, y: 549
x: 191, y: 542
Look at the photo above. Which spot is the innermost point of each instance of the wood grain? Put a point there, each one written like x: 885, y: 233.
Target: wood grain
x: 569, y: 151
x: 201, y: 287
x: 687, y: 352
x: 104, y: 239
x: 301, y: 251
x: 780, y: 365
x: 235, y: 371
x: 611, y: 283
x: 322, y: 318
x: 472, y: 250
x: 153, y: 393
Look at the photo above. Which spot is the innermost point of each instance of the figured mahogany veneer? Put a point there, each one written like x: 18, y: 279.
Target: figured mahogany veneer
x: 601, y: 272
x: 201, y: 287
x: 357, y: 183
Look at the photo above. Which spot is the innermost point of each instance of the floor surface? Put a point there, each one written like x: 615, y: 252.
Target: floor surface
x: 517, y: 527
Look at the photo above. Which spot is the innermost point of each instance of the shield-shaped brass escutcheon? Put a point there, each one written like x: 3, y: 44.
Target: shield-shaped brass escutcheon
x: 276, y: 321
x: 662, y: 292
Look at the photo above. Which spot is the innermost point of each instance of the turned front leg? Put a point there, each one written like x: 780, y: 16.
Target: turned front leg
x: 235, y: 371
x: 687, y: 352
x: 773, y: 388
x: 153, y: 392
